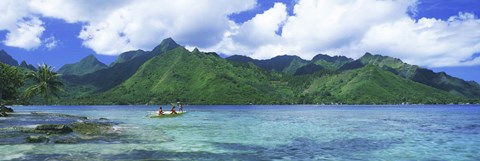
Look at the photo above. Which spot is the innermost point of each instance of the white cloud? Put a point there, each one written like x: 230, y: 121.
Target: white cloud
x: 12, y: 11
x: 23, y: 29
x: 26, y: 34
x: 335, y: 27
x: 144, y: 23
x: 351, y: 28
x: 75, y: 10
x: 51, y: 42
x: 428, y: 42
x: 259, y: 31
x: 114, y: 27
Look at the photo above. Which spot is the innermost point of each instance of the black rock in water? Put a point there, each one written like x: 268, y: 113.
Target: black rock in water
x: 37, y: 139
x: 6, y: 109
x: 52, y: 128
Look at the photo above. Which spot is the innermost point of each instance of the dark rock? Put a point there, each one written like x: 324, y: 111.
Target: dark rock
x: 5, y: 109
x: 59, y: 115
x: 71, y: 140
x: 52, y: 128
x: 3, y: 114
x: 8, y: 109
x: 103, y: 118
x: 90, y: 128
x: 37, y: 139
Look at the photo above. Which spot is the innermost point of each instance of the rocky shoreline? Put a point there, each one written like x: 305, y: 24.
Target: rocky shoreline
x: 54, y: 128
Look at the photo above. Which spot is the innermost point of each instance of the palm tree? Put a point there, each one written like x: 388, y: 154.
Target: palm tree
x: 46, y: 83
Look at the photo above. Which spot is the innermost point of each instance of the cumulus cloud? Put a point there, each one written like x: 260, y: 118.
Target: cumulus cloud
x: 335, y: 27
x: 144, y: 23
x: 259, y: 31
x: 114, y: 27
x: 23, y: 29
x: 51, y: 42
x: 73, y: 11
x: 428, y: 41
x: 26, y: 34
x: 352, y: 28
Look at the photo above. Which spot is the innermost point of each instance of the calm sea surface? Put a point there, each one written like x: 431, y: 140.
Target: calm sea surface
x: 299, y: 132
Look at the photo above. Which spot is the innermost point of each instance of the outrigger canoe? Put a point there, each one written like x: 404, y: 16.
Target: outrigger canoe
x: 168, y: 114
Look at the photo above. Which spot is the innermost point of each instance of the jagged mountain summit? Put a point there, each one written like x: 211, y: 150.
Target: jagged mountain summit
x: 24, y: 64
x: 170, y: 72
x: 7, y: 59
x: 87, y: 65
x: 418, y: 74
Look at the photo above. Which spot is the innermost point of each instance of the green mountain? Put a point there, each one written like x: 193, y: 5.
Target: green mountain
x: 308, y: 69
x: 285, y: 63
x: 329, y: 62
x: 165, y: 45
x: 7, y: 59
x: 87, y: 65
x: 107, y: 78
x: 294, y: 64
x: 27, y: 66
x: 127, y: 56
x: 421, y: 75
x: 373, y: 85
x: 199, y: 78
x: 170, y: 72
x: 323, y: 62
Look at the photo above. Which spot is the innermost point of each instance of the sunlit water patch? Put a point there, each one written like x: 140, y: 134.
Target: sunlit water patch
x: 262, y: 133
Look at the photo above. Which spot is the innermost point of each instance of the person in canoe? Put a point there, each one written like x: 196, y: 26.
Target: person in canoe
x: 160, y: 111
x: 173, y: 110
x: 180, y: 106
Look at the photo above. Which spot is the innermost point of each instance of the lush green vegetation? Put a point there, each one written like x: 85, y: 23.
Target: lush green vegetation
x: 170, y: 72
x: 27, y: 66
x: 373, y: 85
x: 197, y: 77
x: 285, y: 63
x: 87, y: 65
x: 11, y: 79
x: 129, y: 55
x: 440, y: 80
x: 46, y: 83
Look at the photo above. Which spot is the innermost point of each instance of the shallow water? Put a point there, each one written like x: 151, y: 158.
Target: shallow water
x: 269, y: 133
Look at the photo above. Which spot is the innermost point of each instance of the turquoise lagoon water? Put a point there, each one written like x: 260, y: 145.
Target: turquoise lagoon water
x: 297, y: 132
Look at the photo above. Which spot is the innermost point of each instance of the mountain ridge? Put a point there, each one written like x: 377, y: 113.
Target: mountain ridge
x: 7, y: 59
x: 206, y: 78
x: 171, y: 72
x: 86, y: 65
x: 439, y: 80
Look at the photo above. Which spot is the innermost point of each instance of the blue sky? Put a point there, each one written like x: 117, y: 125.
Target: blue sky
x: 440, y: 35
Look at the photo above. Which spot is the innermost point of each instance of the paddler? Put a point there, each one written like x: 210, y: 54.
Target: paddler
x: 160, y: 111
x: 173, y: 110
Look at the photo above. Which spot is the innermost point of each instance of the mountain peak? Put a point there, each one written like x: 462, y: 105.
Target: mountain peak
x: 87, y: 65
x: 168, y: 40
x: 165, y: 45
x: 129, y: 55
x: 368, y: 54
x: 286, y: 57
x: 24, y: 64
x: 240, y: 58
x: 329, y: 58
x: 369, y: 58
x: 7, y: 59
x: 195, y: 50
x: 90, y: 57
